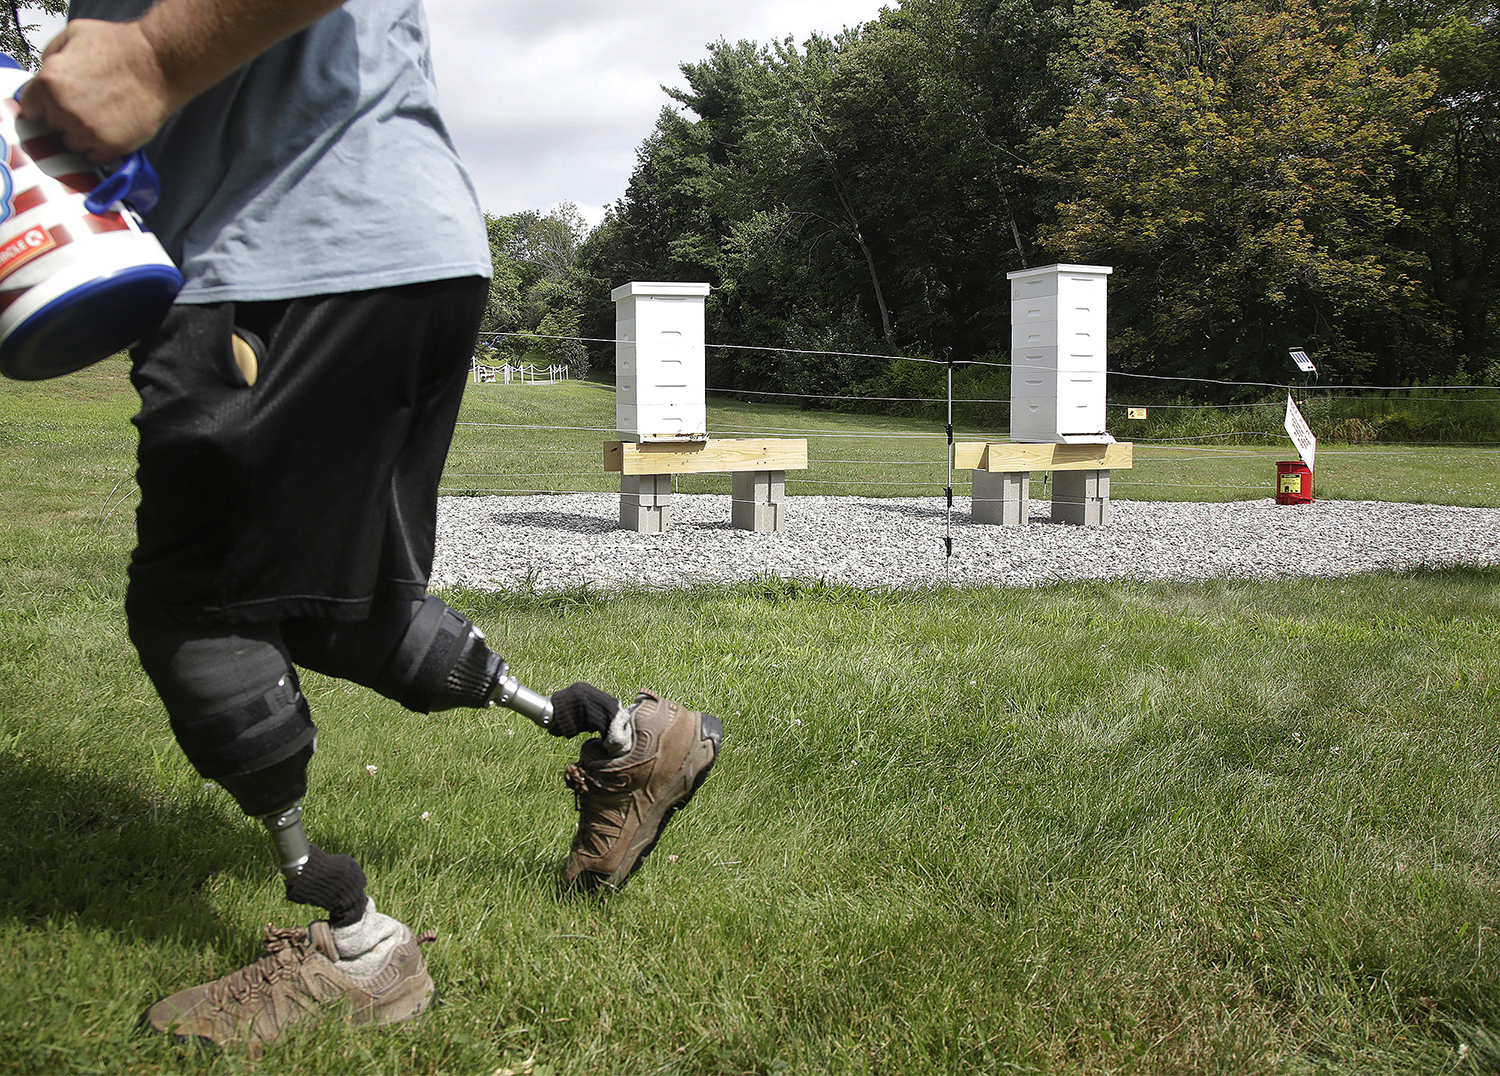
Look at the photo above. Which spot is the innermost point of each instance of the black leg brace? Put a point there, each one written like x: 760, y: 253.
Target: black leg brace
x: 234, y: 701
x: 422, y: 654
x: 241, y: 720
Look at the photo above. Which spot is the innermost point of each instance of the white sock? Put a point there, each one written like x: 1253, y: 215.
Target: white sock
x: 365, y: 947
x: 621, y: 735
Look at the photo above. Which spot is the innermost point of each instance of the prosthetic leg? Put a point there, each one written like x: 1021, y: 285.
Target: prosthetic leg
x: 429, y: 657
x: 238, y: 712
x: 312, y: 876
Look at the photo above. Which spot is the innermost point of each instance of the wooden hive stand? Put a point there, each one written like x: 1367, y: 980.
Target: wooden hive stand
x: 1080, y: 480
x: 758, y: 470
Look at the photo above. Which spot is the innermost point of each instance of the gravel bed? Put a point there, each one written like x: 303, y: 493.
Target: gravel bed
x: 560, y: 542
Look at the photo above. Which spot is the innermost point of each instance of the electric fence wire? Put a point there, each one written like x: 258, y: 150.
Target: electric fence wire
x: 1169, y: 453
x: 1173, y: 452
x: 978, y: 362
x: 1323, y: 393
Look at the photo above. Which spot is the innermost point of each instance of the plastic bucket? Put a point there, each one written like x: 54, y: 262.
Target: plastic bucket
x: 1293, y: 483
x: 80, y: 276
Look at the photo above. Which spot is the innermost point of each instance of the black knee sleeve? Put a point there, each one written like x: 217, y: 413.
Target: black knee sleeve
x: 271, y: 788
x: 441, y: 662
x: 235, y: 707
x: 265, y: 736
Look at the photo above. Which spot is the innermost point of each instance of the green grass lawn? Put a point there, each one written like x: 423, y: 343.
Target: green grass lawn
x: 1219, y: 827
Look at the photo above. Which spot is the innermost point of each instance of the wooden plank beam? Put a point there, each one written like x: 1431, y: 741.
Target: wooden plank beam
x: 969, y: 455
x: 1005, y: 457
x: 697, y: 457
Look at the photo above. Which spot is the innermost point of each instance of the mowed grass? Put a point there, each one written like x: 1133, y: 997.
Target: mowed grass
x: 1220, y: 827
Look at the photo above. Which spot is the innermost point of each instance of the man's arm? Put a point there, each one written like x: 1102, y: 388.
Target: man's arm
x: 108, y: 86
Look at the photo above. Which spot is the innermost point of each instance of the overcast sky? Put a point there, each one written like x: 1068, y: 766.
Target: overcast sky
x: 548, y: 99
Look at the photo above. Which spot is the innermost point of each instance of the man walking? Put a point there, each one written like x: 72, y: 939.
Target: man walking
x: 297, y: 404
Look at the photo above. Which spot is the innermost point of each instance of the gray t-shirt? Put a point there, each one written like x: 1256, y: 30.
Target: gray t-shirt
x: 320, y: 167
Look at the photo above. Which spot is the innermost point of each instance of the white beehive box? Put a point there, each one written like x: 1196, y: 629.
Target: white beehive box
x: 1058, y: 346
x: 659, y: 385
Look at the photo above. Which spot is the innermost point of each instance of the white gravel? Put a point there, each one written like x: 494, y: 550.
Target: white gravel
x: 560, y: 542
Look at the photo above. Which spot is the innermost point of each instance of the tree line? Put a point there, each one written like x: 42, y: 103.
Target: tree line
x: 1260, y: 174
x: 17, y: 31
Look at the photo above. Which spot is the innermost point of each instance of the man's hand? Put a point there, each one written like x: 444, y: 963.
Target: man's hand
x: 108, y: 87
x: 102, y: 87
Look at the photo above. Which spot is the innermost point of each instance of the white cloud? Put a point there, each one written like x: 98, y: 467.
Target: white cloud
x: 548, y: 102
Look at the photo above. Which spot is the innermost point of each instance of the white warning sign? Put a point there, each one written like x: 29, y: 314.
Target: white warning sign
x: 1303, y: 362
x: 1297, y: 429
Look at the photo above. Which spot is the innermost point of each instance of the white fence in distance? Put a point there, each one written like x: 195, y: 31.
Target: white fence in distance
x: 526, y: 373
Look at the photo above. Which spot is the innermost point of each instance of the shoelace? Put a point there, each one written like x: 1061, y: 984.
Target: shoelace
x: 599, y: 819
x: 285, y: 949
x: 581, y: 781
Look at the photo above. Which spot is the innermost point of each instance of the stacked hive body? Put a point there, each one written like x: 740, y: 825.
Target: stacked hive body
x: 1058, y: 354
x: 661, y: 416
x: 659, y: 386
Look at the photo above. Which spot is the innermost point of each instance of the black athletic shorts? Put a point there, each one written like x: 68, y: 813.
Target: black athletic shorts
x: 313, y: 491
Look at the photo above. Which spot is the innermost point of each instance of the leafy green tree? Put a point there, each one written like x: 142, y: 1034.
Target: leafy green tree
x: 1260, y: 173
x: 502, y: 312
x: 547, y: 244
x: 1236, y: 163
x: 673, y: 220
x: 17, y: 33
x: 809, y: 163
x: 1451, y: 190
x: 536, y: 298
x: 865, y: 193
x: 949, y: 94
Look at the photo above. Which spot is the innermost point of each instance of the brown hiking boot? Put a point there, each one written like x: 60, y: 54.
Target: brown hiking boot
x: 624, y: 803
x: 295, y: 982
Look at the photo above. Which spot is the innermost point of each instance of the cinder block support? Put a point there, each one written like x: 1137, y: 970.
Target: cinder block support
x: 1002, y: 497
x: 645, y: 502
x: 1080, y: 497
x: 757, y: 500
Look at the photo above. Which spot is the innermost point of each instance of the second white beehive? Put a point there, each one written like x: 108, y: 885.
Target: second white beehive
x: 1059, y: 351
